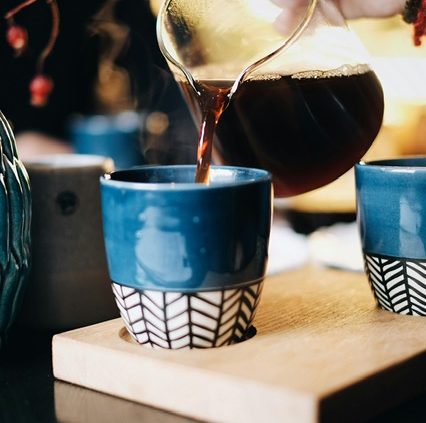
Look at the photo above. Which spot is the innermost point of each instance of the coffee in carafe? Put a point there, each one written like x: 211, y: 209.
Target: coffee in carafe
x: 307, y: 129
x: 307, y: 113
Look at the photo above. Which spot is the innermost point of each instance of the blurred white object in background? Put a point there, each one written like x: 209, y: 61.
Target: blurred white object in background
x: 287, y: 249
x: 337, y: 246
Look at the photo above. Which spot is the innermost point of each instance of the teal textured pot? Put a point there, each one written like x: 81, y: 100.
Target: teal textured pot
x: 15, y: 220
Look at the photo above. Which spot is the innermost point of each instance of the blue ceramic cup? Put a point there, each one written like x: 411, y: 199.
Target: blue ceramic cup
x: 116, y: 136
x: 187, y: 260
x: 391, y: 212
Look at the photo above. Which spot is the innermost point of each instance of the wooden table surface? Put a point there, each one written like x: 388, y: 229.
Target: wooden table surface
x: 28, y: 389
x: 323, y: 352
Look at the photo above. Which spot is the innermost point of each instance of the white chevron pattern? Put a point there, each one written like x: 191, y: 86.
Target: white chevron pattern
x: 399, y: 285
x: 177, y: 320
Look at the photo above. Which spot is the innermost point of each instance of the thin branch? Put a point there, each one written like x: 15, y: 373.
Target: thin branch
x: 18, y: 8
x: 53, y: 35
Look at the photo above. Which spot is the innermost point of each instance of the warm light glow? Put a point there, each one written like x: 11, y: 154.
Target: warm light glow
x: 263, y: 9
x: 155, y: 6
x: 402, y: 78
x: 403, y: 86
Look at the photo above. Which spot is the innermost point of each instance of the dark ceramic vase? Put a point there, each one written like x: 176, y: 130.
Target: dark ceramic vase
x: 15, y: 219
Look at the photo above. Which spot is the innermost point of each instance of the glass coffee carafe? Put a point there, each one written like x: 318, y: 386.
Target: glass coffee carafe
x: 286, y: 88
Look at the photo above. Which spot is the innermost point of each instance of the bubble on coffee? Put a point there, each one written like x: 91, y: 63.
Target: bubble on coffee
x: 345, y: 70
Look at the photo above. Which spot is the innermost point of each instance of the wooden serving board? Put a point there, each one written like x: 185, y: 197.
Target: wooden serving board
x: 323, y: 352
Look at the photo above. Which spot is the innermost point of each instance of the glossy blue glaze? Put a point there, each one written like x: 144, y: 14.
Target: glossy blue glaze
x: 162, y: 231
x: 391, y: 207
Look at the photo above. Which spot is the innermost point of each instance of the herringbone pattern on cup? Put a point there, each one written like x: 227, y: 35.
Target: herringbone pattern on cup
x: 399, y: 285
x: 188, y: 320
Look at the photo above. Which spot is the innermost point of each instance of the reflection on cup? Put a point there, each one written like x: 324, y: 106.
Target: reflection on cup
x: 391, y: 215
x: 187, y: 260
x: 67, y: 286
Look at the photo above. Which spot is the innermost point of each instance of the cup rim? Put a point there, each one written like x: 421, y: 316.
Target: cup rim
x: 261, y: 175
x: 399, y: 164
x: 54, y: 162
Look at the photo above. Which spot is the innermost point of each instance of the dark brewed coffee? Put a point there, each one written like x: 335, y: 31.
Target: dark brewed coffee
x: 306, y: 129
x: 212, y: 100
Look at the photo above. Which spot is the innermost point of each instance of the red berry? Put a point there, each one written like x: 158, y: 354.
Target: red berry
x: 17, y: 37
x: 40, y: 88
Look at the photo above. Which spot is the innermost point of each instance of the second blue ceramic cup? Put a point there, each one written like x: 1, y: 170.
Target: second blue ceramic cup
x: 187, y: 260
x: 391, y: 201
x: 115, y: 136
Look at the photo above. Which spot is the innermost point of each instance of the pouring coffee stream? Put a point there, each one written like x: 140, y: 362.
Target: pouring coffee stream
x: 213, y: 101
x: 306, y: 115
x: 213, y: 96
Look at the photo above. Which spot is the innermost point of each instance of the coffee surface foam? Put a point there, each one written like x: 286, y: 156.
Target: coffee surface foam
x: 326, y: 52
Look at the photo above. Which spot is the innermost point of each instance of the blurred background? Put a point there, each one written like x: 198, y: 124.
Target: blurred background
x: 401, y: 68
x: 111, y: 82
x: 325, y: 218
x: 111, y: 78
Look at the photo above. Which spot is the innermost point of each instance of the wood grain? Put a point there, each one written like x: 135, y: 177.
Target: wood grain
x: 323, y: 351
